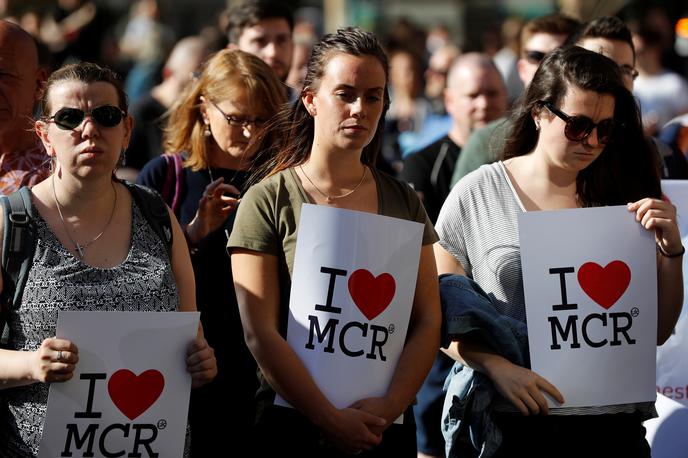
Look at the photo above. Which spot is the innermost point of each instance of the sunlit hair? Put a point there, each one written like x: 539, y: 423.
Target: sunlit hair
x: 607, y: 27
x: 225, y: 76
x: 294, y: 126
x: 551, y: 24
x: 627, y: 169
x: 84, y: 72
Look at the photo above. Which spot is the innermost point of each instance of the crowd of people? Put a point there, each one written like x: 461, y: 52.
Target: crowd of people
x: 233, y: 140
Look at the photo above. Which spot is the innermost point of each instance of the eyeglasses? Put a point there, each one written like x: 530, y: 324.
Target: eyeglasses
x: 71, y: 118
x: 578, y: 128
x: 239, y: 121
x: 534, y: 56
x: 629, y: 71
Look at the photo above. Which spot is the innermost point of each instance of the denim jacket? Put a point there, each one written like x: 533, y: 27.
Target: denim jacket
x: 468, y: 312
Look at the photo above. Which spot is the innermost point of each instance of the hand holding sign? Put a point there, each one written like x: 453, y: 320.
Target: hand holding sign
x: 54, y: 361
x: 660, y: 216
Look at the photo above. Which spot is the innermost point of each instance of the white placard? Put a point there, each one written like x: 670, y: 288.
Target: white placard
x: 130, y: 392
x: 590, y: 284
x: 353, y: 284
x: 672, y: 363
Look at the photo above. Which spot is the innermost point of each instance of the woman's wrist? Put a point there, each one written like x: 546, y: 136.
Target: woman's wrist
x: 676, y: 254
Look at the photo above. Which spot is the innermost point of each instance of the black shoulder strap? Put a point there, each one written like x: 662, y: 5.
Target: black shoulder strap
x: 155, y: 211
x: 18, y: 244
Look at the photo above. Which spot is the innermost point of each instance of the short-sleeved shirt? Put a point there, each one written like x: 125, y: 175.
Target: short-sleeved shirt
x: 23, y: 168
x: 478, y: 225
x: 268, y: 218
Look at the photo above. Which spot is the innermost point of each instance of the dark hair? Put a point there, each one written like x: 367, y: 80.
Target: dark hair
x: 627, y: 169
x: 551, y: 24
x: 294, y: 126
x: 85, y: 72
x: 608, y: 27
x: 251, y: 12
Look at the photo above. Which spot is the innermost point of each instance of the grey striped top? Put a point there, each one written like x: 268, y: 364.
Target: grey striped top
x: 478, y: 225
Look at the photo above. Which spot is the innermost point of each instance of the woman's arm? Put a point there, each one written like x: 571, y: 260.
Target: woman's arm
x: 420, y: 348
x: 521, y: 386
x: 256, y: 283
x: 200, y: 358
x: 660, y: 217
x: 54, y: 361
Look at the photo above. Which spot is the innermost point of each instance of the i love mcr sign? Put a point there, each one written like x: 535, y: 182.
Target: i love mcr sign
x: 353, y: 283
x: 130, y: 392
x: 590, y: 284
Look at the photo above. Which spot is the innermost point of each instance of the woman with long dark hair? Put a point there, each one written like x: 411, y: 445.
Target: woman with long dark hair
x: 326, y: 153
x: 577, y: 142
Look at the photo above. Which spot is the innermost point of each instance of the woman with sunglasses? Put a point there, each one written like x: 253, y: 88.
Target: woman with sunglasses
x: 92, y: 239
x: 577, y: 142
x: 208, y: 131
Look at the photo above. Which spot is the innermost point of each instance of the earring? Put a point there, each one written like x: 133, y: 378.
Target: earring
x: 206, y: 132
x: 537, y: 125
x: 120, y: 161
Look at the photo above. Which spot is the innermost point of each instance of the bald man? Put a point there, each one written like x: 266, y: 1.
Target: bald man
x: 23, y: 161
x: 147, y: 136
x: 475, y: 95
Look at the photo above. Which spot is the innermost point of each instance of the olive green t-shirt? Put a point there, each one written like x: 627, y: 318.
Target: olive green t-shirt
x: 268, y: 217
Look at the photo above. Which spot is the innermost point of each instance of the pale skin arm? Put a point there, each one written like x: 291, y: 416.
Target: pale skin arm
x: 200, y: 358
x: 18, y: 368
x: 660, y: 217
x: 255, y: 281
x: 216, y: 204
x: 521, y: 386
x: 420, y: 348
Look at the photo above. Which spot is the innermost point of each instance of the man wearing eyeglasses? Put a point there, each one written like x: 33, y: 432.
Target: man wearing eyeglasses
x: 539, y: 37
x: 23, y: 160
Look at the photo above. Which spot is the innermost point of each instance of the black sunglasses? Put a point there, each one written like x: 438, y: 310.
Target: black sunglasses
x: 534, y: 56
x: 578, y: 128
x: 71, y: 118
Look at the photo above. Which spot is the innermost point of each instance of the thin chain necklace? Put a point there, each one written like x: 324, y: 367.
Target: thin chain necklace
x: 81, y: 247
x: 329, y: 198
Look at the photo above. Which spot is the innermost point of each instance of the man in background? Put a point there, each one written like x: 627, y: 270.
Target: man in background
x: 263, y: 28
x: 23, y: 160
x: 539, y: 37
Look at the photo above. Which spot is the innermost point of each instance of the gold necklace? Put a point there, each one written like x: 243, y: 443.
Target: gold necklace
x: 81, y: 247
x: 328, y: 197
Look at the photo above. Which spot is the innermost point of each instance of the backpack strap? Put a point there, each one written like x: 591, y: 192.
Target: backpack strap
x: 172, y: 188
x: 155, y: 211
x: 18, y: 244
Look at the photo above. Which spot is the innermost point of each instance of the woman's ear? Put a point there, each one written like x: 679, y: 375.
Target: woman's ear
x: 41, y: 128
x: 204, y: 110
x: 308, y: 100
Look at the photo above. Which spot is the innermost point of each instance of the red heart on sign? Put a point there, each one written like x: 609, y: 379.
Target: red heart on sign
x: 134, y: 394
x: 371, y: 294
x: 604, y: 285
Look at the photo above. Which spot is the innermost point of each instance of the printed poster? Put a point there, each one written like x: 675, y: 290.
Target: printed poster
x: 354, y: 279
x: 590, y: 285
x: 672, y: 363
x: 130, y: 392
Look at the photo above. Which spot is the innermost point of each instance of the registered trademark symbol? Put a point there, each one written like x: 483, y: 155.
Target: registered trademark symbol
x: 391, y: 329
x: 162, y: 424
x: 635, y: 312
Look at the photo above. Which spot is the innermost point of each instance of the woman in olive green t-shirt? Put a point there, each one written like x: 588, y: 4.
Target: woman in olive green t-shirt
x: 328, y: 149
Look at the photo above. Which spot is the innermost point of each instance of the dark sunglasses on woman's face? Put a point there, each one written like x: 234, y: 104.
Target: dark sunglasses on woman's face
x: 71, y: 118
x: 578, y: 128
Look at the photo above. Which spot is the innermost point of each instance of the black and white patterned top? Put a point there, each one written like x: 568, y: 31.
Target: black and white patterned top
x: 478, y: 225
x: 58, y: 281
